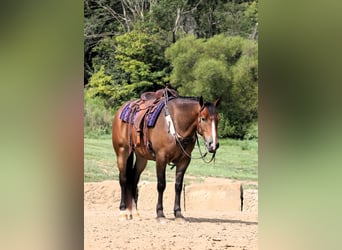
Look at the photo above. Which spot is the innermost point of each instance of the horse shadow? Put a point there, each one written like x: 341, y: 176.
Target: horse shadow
x: 216, y: 220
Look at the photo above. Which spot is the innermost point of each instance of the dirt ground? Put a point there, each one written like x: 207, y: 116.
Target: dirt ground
x: 211, y: 226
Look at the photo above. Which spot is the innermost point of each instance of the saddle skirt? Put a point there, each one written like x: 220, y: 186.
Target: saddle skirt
x: 129, y: 113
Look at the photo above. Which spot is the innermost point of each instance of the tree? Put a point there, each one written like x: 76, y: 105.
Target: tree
x: 219, y: 66
x: 105, y: 19
x: 128, y: 50
x: 237, y: 18
x: 134, y: 61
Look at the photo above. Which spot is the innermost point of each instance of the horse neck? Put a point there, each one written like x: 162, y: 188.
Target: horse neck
x: 185, y: 115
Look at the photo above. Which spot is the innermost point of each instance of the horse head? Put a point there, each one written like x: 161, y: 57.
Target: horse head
x: 207, y: 124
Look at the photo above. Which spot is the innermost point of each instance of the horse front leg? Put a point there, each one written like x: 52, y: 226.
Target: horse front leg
x: 180, y: 171
x: 161, y: 166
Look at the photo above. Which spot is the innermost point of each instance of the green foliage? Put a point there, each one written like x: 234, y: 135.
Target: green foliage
x: 97, y: 118
x: 127, y: 65
x: 140, y: 55
x: 100, y: 84
x: 252, y: 132
x: 104, y: 20
x: 237, y: 18
x: 219, y: 66
x: 214, y: 53
x: 104, y: 51
x: 206, y: 18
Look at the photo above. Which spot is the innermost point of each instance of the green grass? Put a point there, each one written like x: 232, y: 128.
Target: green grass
x: 99, y: 159
x: 235, y: 159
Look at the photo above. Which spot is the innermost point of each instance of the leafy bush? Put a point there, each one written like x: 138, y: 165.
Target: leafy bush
x: 221, y: 66
x: 100, y: 84
x: 97, y: 118
x: 128, y: 64
x: 252, y: 132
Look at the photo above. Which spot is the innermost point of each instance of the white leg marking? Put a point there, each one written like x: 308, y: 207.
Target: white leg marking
x: 135, y: 213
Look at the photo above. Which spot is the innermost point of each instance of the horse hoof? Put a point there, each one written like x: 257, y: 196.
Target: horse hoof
x: 180, y: 220
x: 136, y: 216
x: 123, y: 217
x: 161, y: 220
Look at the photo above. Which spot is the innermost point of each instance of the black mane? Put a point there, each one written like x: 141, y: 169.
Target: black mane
x: 194, y: 98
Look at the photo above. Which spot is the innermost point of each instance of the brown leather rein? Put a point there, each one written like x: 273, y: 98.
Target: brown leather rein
x: 179, y: 138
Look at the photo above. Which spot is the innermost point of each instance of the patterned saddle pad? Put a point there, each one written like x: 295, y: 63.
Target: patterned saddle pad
x: 151, y: 116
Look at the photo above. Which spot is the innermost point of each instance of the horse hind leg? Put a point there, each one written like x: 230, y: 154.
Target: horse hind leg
x: 139, y: 166
x: 125, y: 169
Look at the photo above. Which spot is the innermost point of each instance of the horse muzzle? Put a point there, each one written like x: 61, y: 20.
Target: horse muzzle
x: 212, y: 147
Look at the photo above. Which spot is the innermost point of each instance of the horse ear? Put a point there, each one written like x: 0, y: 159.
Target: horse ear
x: 201, y: 101
x: 217, y: 101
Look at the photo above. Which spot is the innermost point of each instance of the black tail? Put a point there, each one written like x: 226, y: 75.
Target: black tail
x: 132, y: 177
x: 129, y: 180
x: 130, y: 168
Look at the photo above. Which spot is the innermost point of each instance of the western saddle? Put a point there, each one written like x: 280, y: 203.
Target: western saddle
x: 140, y: 109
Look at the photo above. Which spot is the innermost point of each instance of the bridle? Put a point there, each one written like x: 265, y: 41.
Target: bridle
x: 179, y: 138
x: 199, y: 129
x: 202, y: 156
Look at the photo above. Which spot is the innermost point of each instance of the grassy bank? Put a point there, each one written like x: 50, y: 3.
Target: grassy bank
x: 235, y: 159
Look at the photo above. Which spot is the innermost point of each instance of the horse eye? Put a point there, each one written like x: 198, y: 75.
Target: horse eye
x: 204, y: 119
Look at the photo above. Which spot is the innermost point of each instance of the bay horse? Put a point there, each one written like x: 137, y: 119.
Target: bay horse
x: 170, y: 141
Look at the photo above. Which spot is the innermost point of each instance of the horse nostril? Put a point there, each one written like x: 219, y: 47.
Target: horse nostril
x: 210, y: 144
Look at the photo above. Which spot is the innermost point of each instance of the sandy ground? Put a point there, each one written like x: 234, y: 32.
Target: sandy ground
x: 211, y: 226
